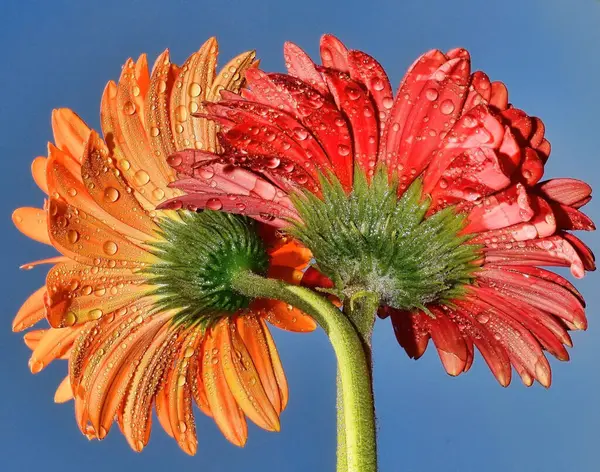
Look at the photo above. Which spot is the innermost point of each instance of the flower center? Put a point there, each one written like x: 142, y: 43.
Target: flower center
x: 199, y: 254
x: 373, y: 241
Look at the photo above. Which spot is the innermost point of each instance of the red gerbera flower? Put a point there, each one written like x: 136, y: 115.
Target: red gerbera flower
x: 431, y: 200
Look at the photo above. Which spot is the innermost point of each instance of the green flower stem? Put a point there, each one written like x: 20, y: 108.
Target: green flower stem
x: 353, y: 367
x: 361, y: 311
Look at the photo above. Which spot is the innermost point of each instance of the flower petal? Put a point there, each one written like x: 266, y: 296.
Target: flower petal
x: 32, y: 223
x: 31, y: 311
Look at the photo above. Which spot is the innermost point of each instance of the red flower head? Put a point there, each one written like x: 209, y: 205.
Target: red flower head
x: 431, y: 200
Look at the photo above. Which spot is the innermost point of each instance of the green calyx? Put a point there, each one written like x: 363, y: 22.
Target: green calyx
x: 199, y: 255
x: 372, y: 242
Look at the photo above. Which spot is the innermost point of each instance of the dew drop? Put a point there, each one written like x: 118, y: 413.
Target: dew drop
x: 110, y: 248
x: 273, y: 162
x: 154, y: 131
x: 207, y: 172
x: 111, y: 194
x: 447, y: 107
x: 125, y: 165
x: 141, y: 177
x: 343, y: 150
x: 431, y: 94
x: 214, y: 204
x: 129, y: 108
x: 69, y: 319
x: 194, y: 89
x: 96, y: 314
x: 189, y: 352
x: 158, y: 193
x: 181, y: 381
x: 388, y: 102
x: 72, y: 236
x: 301, y: 134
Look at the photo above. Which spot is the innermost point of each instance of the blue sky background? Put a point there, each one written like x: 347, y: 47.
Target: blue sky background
x: 59, y: 53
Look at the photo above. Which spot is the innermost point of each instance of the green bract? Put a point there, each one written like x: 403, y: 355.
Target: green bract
x: 199, y: 255
x: 373, y: 241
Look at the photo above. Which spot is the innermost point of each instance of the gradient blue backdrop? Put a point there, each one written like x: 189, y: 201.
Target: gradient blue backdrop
x: 61, y: 53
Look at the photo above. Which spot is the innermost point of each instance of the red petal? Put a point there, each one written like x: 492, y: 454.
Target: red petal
x: 357, y: 106
x: 300, y: 65
x: 367, y: 71
x: 408, y: 93
x: 333, y: 53
x: 411, y: 330
x: 570, y: 192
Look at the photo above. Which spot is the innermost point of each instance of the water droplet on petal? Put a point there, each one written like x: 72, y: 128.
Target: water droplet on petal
x: 110, y: 248
x: 158, y: 193
x: 447, y: 107
x: 388, y: 102
x: 214, y: 204
x: 141, y: 177
x: 129, y: 108
x: 343, y: 150
x: 72, y: 236
x: 96, y: 314
x: 431, y: 94
x: 111, y: 194
x: 194, y: 89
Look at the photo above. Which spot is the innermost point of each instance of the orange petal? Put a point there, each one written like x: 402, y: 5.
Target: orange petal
x: 277, y: 367
x: 108, y: 390
x: 179, y: 393
x: 63, y: 393
x: 33, y: 338
x: 52, y: 345
x: 70, y: 132
x: 50, y: 260
x: 142, y: 74
x: 231, y: 78
x: 85, y: 239
x: 38, y: 171
x: 284, y: 316
x: 116, y: 346
x: 226, y: 412
x: 96, y: 333
x: 32, y: 223
x: 129, y: 142
x: 244, y: 380
x: 118, y: 145
x: 31, y: 311
x: 109, y: 190
x: 198, y: 388
x: 137, y: 409
x: 162, y: 411
x: 156, y: 111
x: 190, y: 89
x: 78, y: 293
x: 291, y: 254
x: 65, y: 180
x: 252, y: 334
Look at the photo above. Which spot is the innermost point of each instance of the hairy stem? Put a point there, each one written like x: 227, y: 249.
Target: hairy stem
x: 353, y: 367
x: 360, y: 310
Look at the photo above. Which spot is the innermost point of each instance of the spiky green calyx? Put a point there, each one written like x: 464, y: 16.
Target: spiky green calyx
x: 371, y: 241
x: 199, y: 254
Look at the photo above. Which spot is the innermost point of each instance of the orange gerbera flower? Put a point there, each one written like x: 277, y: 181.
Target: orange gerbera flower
x: 133, y: 332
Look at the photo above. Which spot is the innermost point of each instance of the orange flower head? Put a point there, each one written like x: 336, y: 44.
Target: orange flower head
x: 137, y: 302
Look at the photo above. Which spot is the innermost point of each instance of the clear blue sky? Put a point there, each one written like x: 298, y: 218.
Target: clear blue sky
x: 60, y: 53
